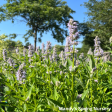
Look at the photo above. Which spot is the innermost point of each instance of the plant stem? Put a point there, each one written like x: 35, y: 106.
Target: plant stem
x: 73, y: 80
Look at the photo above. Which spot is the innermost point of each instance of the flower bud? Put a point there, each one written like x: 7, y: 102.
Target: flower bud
x: 96, y: 81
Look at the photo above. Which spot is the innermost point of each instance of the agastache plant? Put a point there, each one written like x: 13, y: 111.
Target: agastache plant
x: 48, y: 47
x: 17, y: 50
x: 62, y: 57
x: 50, y: 57
x: 20, y: 74
x: 37, y: 50
x: 98, y: 52
x: 47, y: 51
x: 67, y: 49
x: 71, y: 38
x: 30, y: 52
x: 81, y: 56
x: 24, y: 51
x: 4, y: 54
x: 54, y: 56
x: 11, y: 62
x: 90, y: 53
x: 43, y: 46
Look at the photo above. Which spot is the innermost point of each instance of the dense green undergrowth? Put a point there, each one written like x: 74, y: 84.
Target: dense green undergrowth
x: 54, y: 87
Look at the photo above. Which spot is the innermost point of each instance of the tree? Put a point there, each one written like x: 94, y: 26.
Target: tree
x: 40, y: 16
x: 88, y: 39
x: 58, y: 49
x: 7, y: 42
x: 101, y: 22
x: 27, y: 44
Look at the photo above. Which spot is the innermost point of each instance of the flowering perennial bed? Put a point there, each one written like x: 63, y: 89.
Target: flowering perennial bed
x: 45, y: 82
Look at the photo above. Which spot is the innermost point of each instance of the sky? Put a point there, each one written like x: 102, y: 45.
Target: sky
x: 7, y: 27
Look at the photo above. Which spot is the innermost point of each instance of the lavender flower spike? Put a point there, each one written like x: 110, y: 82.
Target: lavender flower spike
x: 20, y: 74
x: 4, y: 54
x: 17, y: 50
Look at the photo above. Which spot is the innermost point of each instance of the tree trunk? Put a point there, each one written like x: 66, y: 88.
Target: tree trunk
x: 35, y: 40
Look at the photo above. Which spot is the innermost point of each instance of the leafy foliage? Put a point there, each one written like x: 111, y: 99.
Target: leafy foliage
x: 100, y: 21
x: 40, y: 16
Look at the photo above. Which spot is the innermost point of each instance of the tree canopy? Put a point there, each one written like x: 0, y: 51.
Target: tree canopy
x: 100, y: 13
x: 40, y: 16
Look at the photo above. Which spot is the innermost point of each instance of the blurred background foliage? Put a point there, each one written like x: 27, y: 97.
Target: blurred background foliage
x: 98, y: 25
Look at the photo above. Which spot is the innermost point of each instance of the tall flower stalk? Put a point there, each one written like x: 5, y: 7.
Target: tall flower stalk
x: 11, y: 62
x: 20, y: 74
x: 43, y: 46
x: 98, y: 52
x: 38, y: 51
x: 62, y: 57
x: 30, y: 52
x: 4, y: 54
x: 71, y: 38
x: 54, y: 56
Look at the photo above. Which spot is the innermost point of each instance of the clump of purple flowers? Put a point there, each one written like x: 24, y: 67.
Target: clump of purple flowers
x: 54, y: 56
x: 81, y: 56
x: 98, y: 52
x: 17, y: 50
x: 30, y: 52
x: 24, y: 51
x: 47, y: 52
x: 37, y: 50
x: 74, y: 35
x: 11, y: 62
x: 20, y: 74
x: 43, y: 51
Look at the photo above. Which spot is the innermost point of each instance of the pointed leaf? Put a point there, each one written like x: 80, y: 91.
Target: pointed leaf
x: 55, y: 102
x: 29, y: 92
x: 91, y: 62
x: 55, y: 94
x: 84, y: 94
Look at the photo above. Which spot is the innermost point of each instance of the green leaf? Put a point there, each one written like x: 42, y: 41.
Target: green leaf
x: 29, y: 92
x: 55, y: 94
x: 104, y: 90
x: 84, y: 94
x: 91, y: 61
x: 68, y: 63
x: 74, y: 69
x: 85, y: 103
x: 4, y: 103
x: 7, y: 84
x: 109, y: 93
x: 20, y: 98
x: 24, y: 107
x: 109, y: 63
x: 55, y: 102
x: 79, y: 82
x: 2, y: 110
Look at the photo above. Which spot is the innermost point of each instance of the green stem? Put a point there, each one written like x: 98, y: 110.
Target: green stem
x: 91, y: 91
x: 100, y: 92
x: 73, y: 80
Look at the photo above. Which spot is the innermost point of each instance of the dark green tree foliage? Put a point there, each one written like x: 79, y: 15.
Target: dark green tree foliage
x: 58, y: 49
x: 27, y: 44
x: 88, y: 42
x: 40, y: 16
x: 101, y: 14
